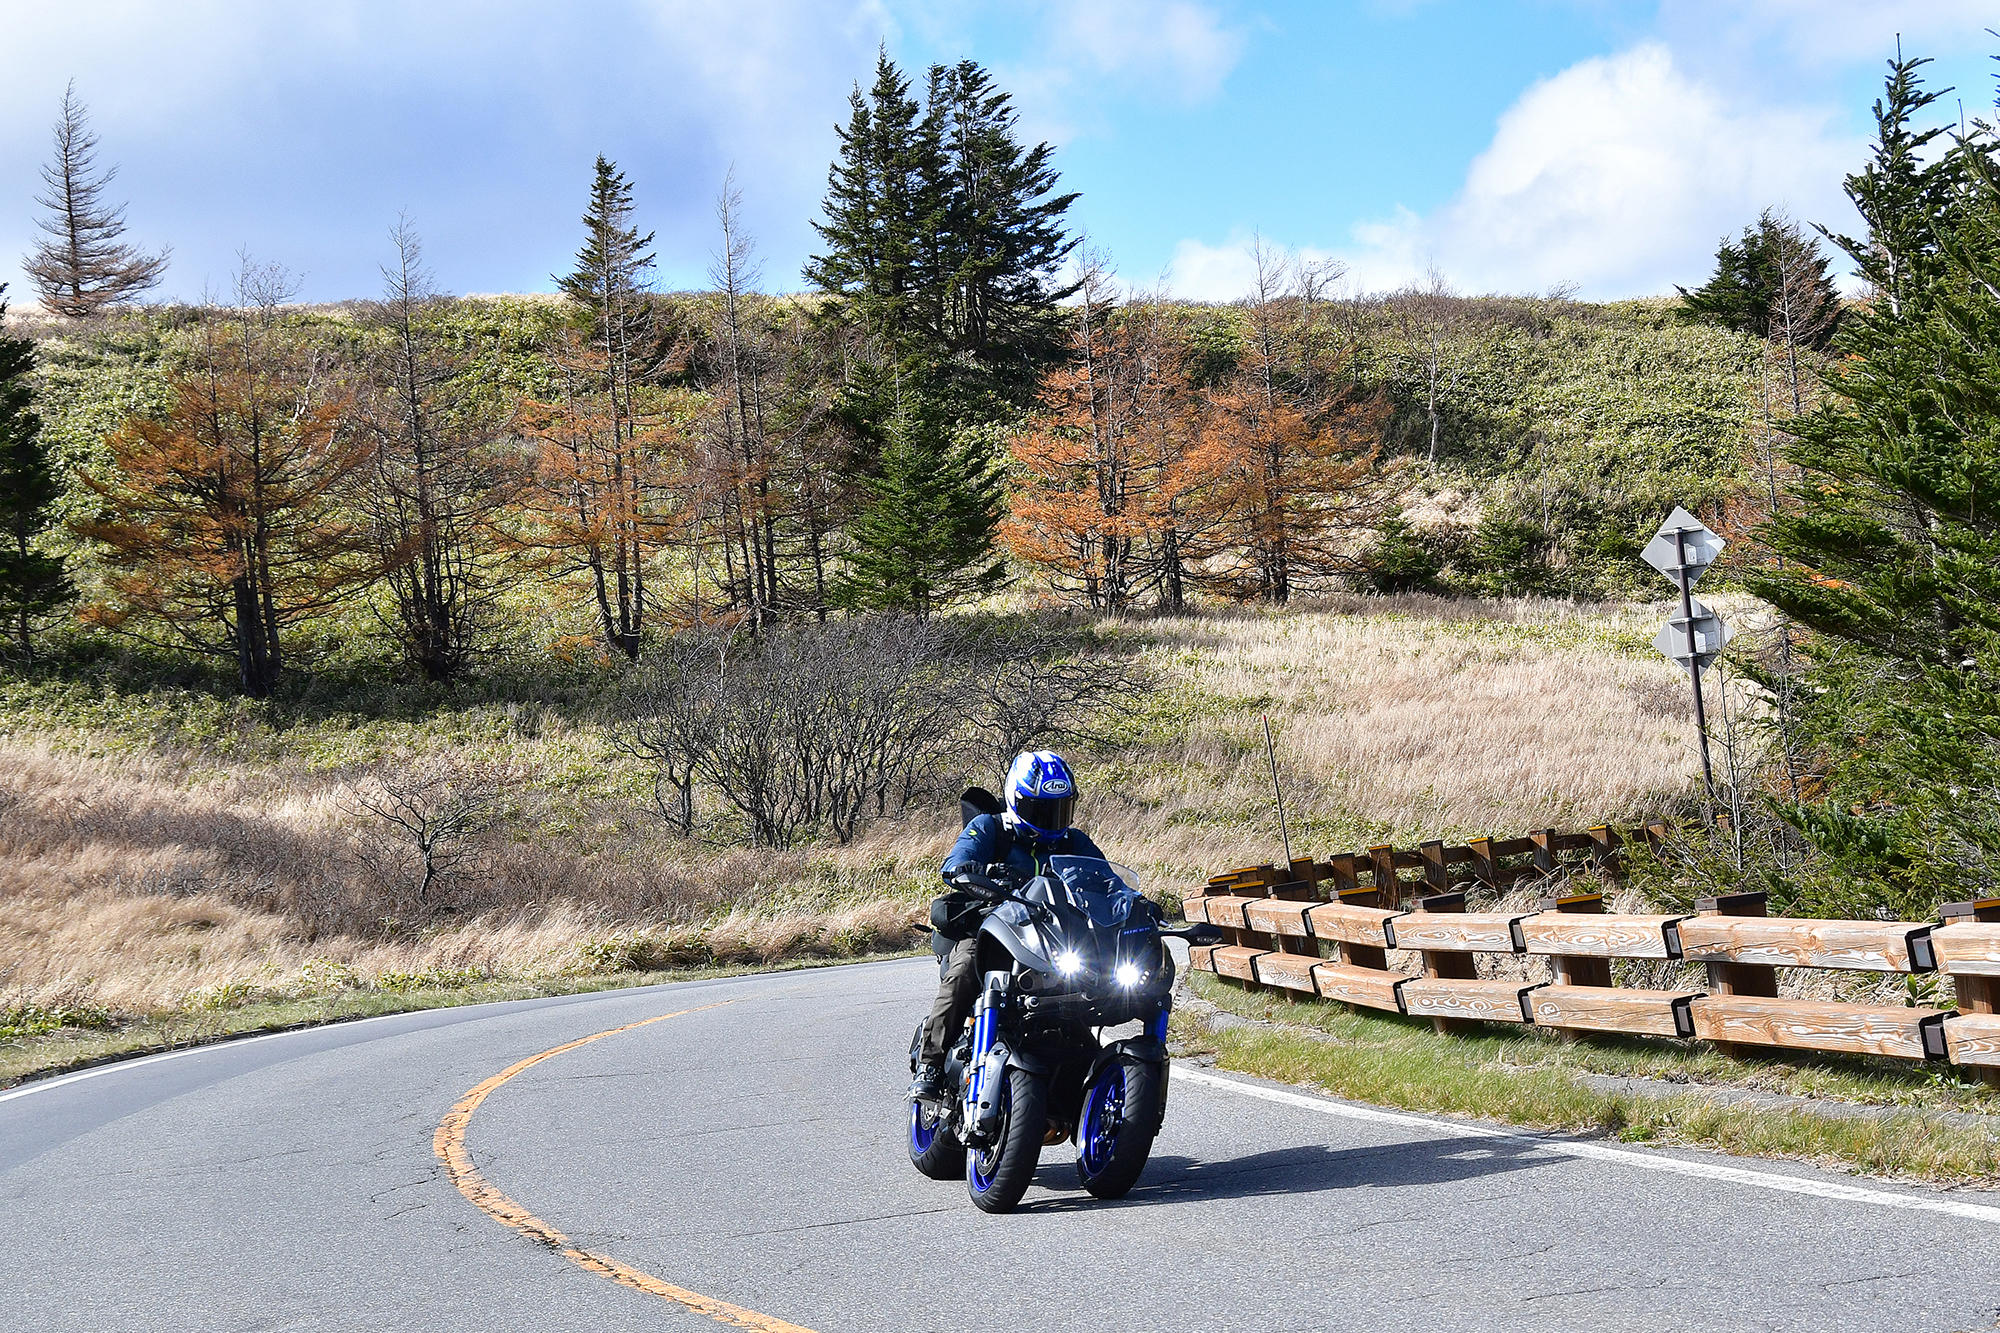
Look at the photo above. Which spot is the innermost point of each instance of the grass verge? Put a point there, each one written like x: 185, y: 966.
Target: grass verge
x: 1538, y: 1081
x: 68, y: 1049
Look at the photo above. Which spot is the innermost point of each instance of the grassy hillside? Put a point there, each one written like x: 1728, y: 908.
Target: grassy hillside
x: 1566, y: 432
x: 167, y: 849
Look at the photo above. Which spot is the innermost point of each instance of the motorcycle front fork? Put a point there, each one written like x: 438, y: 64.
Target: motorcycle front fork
x: 982, y: 1094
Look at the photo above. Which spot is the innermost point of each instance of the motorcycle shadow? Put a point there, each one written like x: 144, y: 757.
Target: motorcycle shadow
x: 1303, y: 1170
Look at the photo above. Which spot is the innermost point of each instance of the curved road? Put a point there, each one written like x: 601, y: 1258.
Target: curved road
x: 745, y: 1157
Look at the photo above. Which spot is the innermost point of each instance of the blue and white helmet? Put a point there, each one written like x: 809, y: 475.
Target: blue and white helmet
x: 1041, y: 794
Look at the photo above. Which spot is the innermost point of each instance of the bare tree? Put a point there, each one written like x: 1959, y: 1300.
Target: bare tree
x: 440, y: 805
x: 744, y: 361
x: 1430, y: 319
x: 668, y: 714
x: 442, y: 476
x: 1804, y: 306
x: 81, y: 267
x: 1041, y: 682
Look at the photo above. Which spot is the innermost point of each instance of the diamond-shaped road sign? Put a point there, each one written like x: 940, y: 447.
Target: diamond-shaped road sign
x: 1710, y: 634
x: 1700, y: 546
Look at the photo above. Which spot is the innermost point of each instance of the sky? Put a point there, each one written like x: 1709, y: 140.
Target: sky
x: 1512, y: 145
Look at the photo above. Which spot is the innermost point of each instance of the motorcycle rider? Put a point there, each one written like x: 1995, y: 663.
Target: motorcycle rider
x: 1040, y: 798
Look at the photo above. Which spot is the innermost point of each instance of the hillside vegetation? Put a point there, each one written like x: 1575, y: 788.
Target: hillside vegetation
x: 170, y: 849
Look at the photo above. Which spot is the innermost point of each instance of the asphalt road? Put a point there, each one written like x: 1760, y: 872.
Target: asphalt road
x: 751, y: 1153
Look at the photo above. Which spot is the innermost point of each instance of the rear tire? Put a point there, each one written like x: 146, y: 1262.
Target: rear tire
x: 997, y: 1176
x: 1121, y: 1116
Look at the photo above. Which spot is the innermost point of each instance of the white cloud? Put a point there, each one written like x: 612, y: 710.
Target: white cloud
x: 1618, y: 174
x: 1178, y: 45
x: 1825, y: 32
x: 302, y: 131
x: 1202, y: 272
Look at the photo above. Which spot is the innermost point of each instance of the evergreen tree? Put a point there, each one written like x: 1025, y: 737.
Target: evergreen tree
x: 81, y: 266
x: 925, y: 537
x: 877, y: 199
x: 1775, y: 267
x: 1003, y: 238
x: 609, y: 280
x: 944, y: 235
x: 1892, y: 547
x: 31, y: 583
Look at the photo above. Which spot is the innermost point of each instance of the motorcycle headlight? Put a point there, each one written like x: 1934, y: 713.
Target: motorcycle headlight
x: 1069, y: 963
x: 1127, y: 975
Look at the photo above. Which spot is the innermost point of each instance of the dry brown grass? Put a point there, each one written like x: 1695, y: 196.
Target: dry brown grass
x: 178, y: 876
x: 1404, y: 719
x: 136, y: 884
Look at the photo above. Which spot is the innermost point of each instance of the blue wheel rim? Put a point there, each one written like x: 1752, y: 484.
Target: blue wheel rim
x: 985, y: 1163
x: 923, y: 1128
x: 1103, y: 1117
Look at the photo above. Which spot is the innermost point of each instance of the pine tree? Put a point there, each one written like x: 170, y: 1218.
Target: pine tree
x: 1765, y: 284
x: 609, y: 280
x: 879, y: 192
x: 32, y: 583
x: 1892, y: 544
x: 1003, y: 236
x: 82, y: 267
x: 944, y: 236
x: 925, y: 538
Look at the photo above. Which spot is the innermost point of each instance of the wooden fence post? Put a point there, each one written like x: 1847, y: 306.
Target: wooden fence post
x: 1485, y: 866
x: 1303, y: 885
x: 1361, y: 955
x: 1388, y: 889
x: 1447, y: 964
x: 1437, y: 876
x: 1577, y: 969
x: 1753, y: 979
x: 1977, y: 994
x: 1605, y: 857
x: 1545, y: 850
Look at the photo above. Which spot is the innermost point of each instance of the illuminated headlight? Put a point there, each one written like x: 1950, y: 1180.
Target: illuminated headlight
x: 1127, y: 975
x: 1068, y: 963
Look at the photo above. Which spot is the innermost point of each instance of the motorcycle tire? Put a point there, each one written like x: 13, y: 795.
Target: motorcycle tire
x: 1121, y: 1116
x: 997, y: 1175
x: 934, y: 1150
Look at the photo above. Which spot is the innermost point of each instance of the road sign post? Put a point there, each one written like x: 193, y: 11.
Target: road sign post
x: 1683, y: 549
x: 1694, y: 663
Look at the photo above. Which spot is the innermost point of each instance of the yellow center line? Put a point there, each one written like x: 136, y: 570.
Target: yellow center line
x: 449, y: 1144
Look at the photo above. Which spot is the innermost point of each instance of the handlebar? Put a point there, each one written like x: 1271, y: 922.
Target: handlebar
x: 985, y: 884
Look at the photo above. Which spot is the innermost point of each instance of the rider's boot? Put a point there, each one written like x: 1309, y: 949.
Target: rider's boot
x: 928, y: 1086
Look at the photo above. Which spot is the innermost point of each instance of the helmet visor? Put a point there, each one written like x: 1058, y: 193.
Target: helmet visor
x: 1045, y: 814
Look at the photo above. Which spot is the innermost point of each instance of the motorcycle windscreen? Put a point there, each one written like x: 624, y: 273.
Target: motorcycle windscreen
x: 1094, y: 886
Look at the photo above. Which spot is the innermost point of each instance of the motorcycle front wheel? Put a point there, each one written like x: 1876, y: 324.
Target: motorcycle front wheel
x: 1114, y: 1135
x: 934, y: 1150
x: 997, y: 1175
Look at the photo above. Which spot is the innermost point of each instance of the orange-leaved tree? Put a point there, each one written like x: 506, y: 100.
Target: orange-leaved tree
x: 1291, y: 449
x: 1102, y: 467
x: 605, y: 482
x: 227, y: 520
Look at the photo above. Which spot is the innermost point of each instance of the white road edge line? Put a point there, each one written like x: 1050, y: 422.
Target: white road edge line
x: 233, y: 1043
x: 1678, y: 1166
x: 227, y: 1043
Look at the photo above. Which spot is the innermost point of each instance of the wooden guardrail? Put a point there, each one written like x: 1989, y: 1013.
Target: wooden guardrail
x: 1325, y: 928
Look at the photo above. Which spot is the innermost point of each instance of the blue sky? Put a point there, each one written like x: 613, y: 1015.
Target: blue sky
x: 1513, y: 144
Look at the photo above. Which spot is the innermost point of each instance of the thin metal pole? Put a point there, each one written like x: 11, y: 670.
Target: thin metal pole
x: 1694, y: 667
x: 1271, y: 753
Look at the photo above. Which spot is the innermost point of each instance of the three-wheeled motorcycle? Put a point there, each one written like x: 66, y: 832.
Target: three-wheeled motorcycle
x: 1074, y: 951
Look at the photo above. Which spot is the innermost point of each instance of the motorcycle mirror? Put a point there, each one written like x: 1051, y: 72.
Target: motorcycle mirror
x: 1201, y: 934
